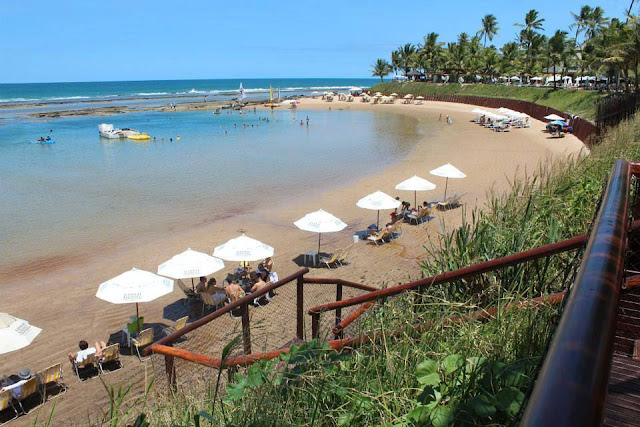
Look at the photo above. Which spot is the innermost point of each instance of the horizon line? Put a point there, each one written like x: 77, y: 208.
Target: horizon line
x: 166, y: 80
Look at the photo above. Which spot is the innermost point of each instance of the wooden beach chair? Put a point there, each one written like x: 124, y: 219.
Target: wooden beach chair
x: 333, y: 259
x: 209, y: 300
x: 88, y: 363
x: 111, y: 356
x: 189, y: 293
x: 450, y: 202
x: 28, y: 391
x: 344, y: 256
x: 381, y: 236
x: 52, y: 378
x: 395, y: 230
x: 144, y: 338
x: 6, y: 406
x: 419, y: 216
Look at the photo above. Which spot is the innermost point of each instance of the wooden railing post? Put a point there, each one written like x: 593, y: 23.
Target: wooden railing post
x: 170, y: 369
x: 300, y: 308
x: 339, y: 309
x: 315, y: 325
x: 246, y: 329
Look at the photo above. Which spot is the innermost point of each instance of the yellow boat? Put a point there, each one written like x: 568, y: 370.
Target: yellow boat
x: 139, y: 137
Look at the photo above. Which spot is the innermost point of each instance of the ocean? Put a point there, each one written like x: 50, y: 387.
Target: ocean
x: 212, y: 89
x: 85, y: 192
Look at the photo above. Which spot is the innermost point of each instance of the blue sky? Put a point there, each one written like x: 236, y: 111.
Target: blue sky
x: 63, y: 40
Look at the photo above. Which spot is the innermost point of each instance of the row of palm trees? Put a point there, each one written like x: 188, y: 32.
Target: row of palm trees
x: 597, y: 45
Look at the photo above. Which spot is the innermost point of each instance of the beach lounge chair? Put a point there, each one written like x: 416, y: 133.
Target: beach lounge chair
x: 6, y: 406
x: 189, y: 293
x: 88, y: 363
x: 333, y: 259
x: 132, y: 329
x: 395, y: 230
x: 344, y: 256
x: 419, y: 216
x: 450, y: 202
x: 27, y: 391
x: 144, y: 338
x: 214, y: 301
x: 380, y: 237
x: 112, y: 357
x: 52, y: 378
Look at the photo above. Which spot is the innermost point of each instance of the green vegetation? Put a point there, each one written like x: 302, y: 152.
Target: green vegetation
x: 598, y: 46
x: 579, y: 102
x: 471, y: 372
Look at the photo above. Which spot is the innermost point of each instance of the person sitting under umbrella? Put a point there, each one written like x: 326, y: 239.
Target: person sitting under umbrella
x: 234, y: 291
x: 202, y: 285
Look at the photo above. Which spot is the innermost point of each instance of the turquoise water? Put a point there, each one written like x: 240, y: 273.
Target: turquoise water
x: 85, y: 91
x: 85, y: 192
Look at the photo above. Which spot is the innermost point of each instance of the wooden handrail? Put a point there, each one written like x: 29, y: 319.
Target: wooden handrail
x: 224, y: 310
x: 355, y: 314
x: 472, y: 270
x: 572, y: 384
x: 324, y: 281
x: 338, y: 344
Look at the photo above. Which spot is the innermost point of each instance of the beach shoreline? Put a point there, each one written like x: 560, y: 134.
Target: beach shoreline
x: 61, y: 298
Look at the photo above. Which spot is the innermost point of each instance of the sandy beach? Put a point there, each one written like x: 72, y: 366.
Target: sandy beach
x: 63, y: 301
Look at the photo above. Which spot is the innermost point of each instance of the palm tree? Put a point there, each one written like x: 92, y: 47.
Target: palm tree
x: 395, y: 61
x: 406, y: 52
x: 489, y: 28
x: 431, y: 51
x: 532, y: 23
x: 557, y: 47
x: 380, y: 68
x: 595, y: 23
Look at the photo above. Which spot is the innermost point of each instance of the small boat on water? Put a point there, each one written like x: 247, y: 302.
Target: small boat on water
x: 108, y: 131
x: 44, y: 141
x: 139, y: 137
x: 218, y: 111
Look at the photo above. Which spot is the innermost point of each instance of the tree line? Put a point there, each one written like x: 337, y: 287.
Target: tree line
x: 592, y: 45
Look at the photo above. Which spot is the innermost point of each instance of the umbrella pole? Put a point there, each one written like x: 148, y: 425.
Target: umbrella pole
x: 192, y: 288
x: 378, y: 221
x: 137, y: 314
x: 415, y: 199
x: 318, y: 255
x: 446, y: 184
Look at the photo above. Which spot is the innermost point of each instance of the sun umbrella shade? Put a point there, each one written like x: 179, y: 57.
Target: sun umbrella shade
x: 190, y: 263
x: 243, y: 248
x: 553, y: 117
x: 320, y: 222
x: 415, y: 183
x: 134, y: 286
x: 378, y: 201
x: 448, y: 171
x: 408, y: 96
x: 15, y: 333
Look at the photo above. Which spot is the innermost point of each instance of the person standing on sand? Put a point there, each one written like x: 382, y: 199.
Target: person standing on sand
x: 440, y: 118
x: 449, y: 120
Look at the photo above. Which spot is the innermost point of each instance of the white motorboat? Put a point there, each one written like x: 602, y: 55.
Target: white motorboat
x: 108, y: 131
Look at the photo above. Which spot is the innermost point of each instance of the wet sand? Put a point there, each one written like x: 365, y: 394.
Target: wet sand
x: 63, y: 302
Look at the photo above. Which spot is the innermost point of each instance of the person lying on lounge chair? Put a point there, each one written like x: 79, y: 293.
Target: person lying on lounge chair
x: 85, y: 351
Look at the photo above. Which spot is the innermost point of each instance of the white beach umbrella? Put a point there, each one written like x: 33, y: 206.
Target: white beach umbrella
x: 320, y: 222
x: 478, y: 111
x: 415, y: 184
x: 15, y: 333
x: 407, y: 96
x: 554, y: 117
x: 190, y: 264
x: 134, y: 286
x: 420, y: 97
x: 448, y: 171
x: 377, y: 201
x: 243, y: 248
x: 394, y: 94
